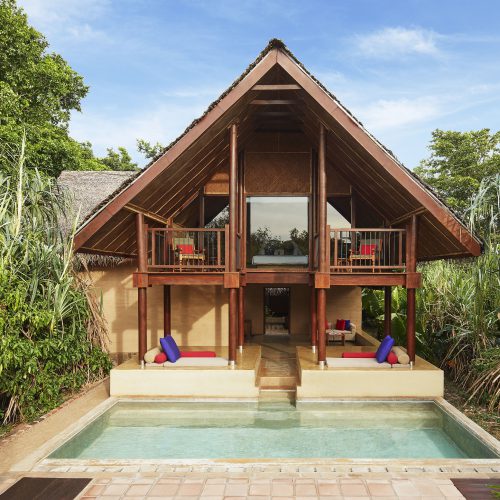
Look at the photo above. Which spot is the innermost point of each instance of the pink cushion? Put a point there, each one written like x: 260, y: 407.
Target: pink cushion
x: 358, y: 354
x: 197, y: 354
x: 186, y: 249
x: 160, y: 358
x: 368, y: 249
x: 340, y: 325
x: 392, y: 358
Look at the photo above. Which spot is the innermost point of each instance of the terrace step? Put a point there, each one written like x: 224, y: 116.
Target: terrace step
x: 277, y: 381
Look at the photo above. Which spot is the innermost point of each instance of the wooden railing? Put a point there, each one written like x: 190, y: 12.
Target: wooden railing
x: 367, y: 250
x: 187, y: 249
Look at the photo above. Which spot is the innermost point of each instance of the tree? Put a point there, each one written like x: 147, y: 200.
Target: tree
x: 459, y: 161
x: 120, y: 160
x: 149, y: 150
x: 38, y: 91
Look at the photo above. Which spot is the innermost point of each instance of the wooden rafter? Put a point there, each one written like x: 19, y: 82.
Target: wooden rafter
x: 150, y: 215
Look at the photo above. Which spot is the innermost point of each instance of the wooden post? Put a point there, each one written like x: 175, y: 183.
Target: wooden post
x: 167, y: 317
x: 241, y: 317
x: 314, y: 323
x: 353, y: 209
x: 142, y: 297
x: 241, y: 211
x: 387, y: 310
x: 411, y: 267
x: 233, y: 229
x: 323, y: 265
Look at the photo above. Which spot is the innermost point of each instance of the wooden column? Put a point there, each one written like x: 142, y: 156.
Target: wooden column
x: 353, y: 209
x: 314, y: 323
x: 167, y: 317
x: 233, y: 228
x: 387, y: 310
x: 142, y: 297
x: 411, y: 267
x: 323, y: 265
x: 241, y: 317
x: 201, y: 213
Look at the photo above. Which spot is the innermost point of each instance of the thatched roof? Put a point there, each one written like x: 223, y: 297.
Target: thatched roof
x: 368, y: 165
x: 88, y: 188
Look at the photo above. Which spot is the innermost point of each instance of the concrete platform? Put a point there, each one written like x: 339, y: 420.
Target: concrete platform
x: 423, y: 381
x: 129, y: 380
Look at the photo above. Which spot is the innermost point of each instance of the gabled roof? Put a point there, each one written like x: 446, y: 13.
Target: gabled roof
x: 384, y: 184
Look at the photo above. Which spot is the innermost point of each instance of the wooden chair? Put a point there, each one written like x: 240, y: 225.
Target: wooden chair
x: 368, y: 251
x: 186, y: 252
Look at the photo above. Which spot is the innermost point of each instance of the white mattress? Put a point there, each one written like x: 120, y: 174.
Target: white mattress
x: 355, y: 363
x: 280, y: 259
x: 198, y: 362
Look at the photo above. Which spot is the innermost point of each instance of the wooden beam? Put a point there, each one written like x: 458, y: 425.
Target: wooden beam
x: 313, y: 323
x: 107, y: 253
x: 322, y: 264
x: 365, y: 279
x: 405, y: 217
x: 273, y: 102
x: 150, y: 215
x: 241, y: 316
x: 287, y: 86
x: 142, y: 304
x: 321, y: 324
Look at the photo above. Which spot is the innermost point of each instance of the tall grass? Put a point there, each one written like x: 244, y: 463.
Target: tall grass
x: 53, y: 337
x: 458, y: 307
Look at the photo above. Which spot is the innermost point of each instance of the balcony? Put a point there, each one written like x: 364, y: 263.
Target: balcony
x: 367, y: 250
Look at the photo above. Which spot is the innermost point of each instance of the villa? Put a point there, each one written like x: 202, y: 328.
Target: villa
x: 267, y: 216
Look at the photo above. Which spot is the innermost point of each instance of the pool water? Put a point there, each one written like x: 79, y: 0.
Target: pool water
x: 165, y: 430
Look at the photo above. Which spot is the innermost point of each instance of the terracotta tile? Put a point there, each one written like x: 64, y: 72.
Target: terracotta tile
x: 190, y: 489
x: 405, y: 488
x: 282, y: 489
x: 381, y: 490
x: 353, y: 490
x: 260, y: 489
x: 306, y: 490
x: 332, y: 489
x: 164, y: 489
x: 236, y: 490
x: 115, y: 489
x: 95, y: 490
x: 213, y: 490
x: 138, y: 490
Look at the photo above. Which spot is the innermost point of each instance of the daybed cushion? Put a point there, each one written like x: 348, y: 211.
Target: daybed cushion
x: 170, y: 348
x: 347, y: 325
x: 160, y: 358
x: 340, y: 325
x: 392, y: 358
x: 197, y: 362
x: 403, y: 358
x: 383, y: 349
x: 149, y: 357
x: 355, y: 363
x: 358, y: 355
x: 197, y: 354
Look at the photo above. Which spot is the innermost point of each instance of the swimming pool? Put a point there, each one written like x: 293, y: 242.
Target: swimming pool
x: 168, y: 430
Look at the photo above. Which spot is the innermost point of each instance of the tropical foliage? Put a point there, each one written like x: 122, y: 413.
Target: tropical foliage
x: 38, y: 93
x: 458, y: 306
x: 52, y: 335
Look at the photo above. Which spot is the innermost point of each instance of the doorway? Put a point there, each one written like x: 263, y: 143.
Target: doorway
x: 277, y: 311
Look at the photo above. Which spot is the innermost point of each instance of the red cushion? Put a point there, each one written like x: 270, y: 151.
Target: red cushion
x: 160, y: 358
x: 327, y: 326
x: 358, y: 354
x: 368, y: 249
x: 340, y: 325
x: 392, y: 358
x: 186, y: 249
x: 197, y: 354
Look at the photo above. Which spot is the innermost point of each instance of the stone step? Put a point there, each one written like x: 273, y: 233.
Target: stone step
x: 276, y: 381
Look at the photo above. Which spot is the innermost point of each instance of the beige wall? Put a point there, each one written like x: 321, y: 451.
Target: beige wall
x: 200, y: 313
x: 342, y: 303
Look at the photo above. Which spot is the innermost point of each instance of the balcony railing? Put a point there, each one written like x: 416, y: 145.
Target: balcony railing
x: 193, y: 249
x: 367, y: 250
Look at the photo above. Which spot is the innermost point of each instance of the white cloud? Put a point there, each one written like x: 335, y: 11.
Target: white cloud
x: 389, y: 114
x: 67, y: 18
x: 396, y: 42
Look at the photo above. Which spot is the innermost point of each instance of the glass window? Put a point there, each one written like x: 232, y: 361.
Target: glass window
x: 277, y: 231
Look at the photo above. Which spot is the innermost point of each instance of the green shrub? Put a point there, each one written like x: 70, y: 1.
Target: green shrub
x: 52, y: 340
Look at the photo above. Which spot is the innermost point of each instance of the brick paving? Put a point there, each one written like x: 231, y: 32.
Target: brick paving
x: 266, y: 484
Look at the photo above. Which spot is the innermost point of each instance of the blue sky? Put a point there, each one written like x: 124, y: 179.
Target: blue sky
x: 404, y: 68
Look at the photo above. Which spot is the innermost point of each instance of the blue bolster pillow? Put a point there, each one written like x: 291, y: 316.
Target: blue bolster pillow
x: 384, y: 349
x: 170, y: 348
